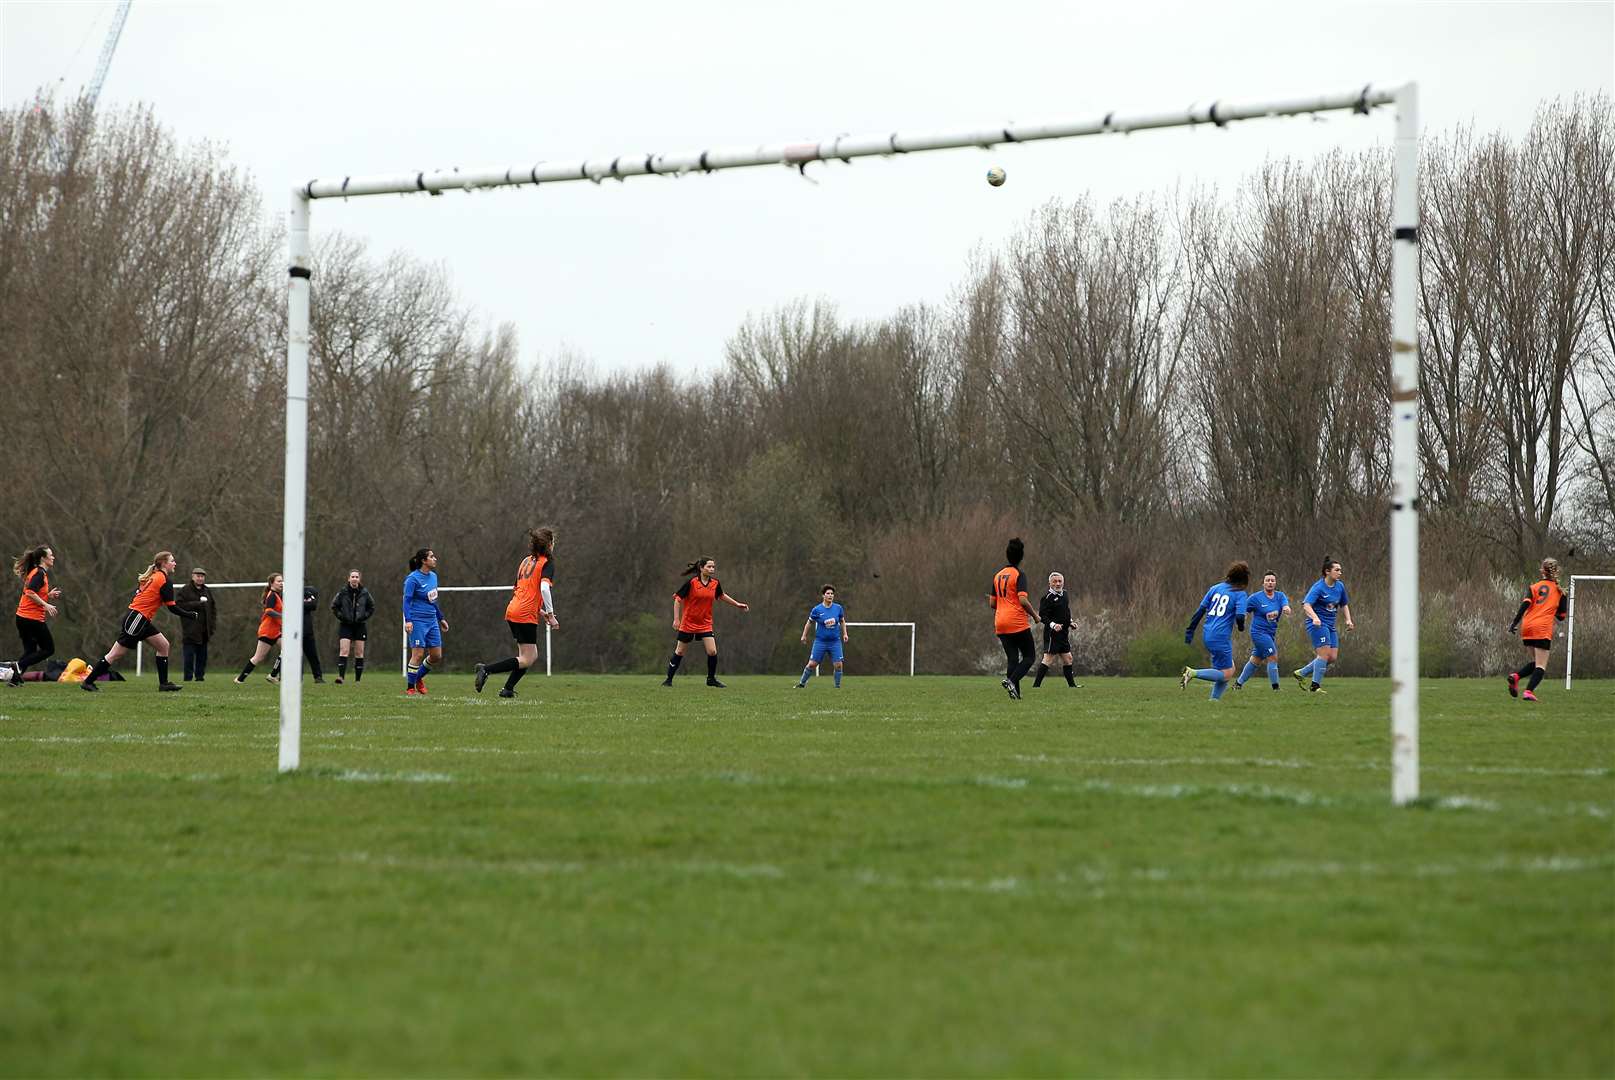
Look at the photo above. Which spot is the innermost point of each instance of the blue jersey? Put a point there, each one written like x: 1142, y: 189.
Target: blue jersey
x: 1327, y: 600
x: 1260, y: 605
x: 1221, y: 605
x: 827, y: 621
x: 420, y: 597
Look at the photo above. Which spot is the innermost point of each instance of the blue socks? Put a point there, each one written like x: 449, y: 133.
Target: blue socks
x: 1215, y: 678
x: 807, y: 673
x: 1319, y: 669
x: 838, y: 677
x: 1249, y: 670
x: 411, y: 674
x: 1273, y: 673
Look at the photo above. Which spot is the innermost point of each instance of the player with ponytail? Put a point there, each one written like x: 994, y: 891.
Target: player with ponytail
x: 155, y: 590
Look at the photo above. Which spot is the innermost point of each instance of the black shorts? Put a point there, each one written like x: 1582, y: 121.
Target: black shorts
x: 1537, y: 643
x: 1057, y: 642
x: 35, y: 634
x: 134, y: 629
x: 352, y: 631
x: 525, y: 633
x: 270, y: 640
x: 688, y: 636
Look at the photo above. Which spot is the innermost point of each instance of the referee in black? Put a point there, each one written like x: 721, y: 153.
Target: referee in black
x: 1055, y: 611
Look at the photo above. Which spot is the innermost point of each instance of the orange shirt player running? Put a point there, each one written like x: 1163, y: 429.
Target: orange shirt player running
x: 1543, y: 603
x: 268, y: 624
x: 1008, y: 593
x: 527, y: 599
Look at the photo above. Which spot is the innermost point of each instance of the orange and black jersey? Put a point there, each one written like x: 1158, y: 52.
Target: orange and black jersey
x: 1543, y: 603
x: 527, y: 598
x: 1007, y: 592
x: 38, y: 582
x: 697, y: 615
x: 273, y: 616
x: 157, y: 592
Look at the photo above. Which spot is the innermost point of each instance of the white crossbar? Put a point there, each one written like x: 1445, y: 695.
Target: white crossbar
x: 403, y: 658
x: 840, y: 148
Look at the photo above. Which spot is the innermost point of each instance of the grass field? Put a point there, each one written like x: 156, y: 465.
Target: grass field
x: 901, y: 877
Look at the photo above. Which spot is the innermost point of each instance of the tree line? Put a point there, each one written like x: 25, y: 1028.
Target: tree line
x: 1143, y: 390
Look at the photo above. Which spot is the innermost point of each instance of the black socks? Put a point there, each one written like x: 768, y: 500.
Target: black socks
x: 712, y: 666
x: 162, y: 670
x: 1070, y: 676
x: 1042, y: 670
x: 673, y: 665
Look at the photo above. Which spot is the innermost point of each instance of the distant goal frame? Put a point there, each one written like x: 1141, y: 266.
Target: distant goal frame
x: 1404, y: 344
x: 913, y: 636
x: 1570, y: 619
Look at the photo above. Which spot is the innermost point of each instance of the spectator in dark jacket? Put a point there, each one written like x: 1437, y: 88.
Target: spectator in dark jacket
x: 1055, y: 611
x: 352, y: 607
x: 311, y: 598
x: 195, y: 596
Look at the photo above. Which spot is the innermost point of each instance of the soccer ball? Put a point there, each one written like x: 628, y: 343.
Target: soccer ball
x: 995, y: 176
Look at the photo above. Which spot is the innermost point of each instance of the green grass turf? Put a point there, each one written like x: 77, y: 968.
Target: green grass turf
x: 901, y: 877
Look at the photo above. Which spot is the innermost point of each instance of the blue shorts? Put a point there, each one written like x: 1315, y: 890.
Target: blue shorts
x: 1322, y: 636
x: 821, y: 647
x: 1263, y: 645
x: 1222, y: 653
x: 426, y: 635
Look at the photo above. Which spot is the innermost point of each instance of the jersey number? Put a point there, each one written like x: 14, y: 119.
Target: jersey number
x: 1003, y: 583
x: 1219, y: 606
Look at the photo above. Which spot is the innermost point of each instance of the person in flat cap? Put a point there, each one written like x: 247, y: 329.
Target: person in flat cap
x: 195, y: 596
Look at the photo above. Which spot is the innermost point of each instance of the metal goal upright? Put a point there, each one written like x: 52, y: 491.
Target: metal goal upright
x: 1404, y: 359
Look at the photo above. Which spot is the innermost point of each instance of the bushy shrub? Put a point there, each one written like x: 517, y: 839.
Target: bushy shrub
x: 1161, y: 651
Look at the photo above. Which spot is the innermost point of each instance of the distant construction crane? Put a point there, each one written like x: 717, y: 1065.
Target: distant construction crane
x: 108, y: 47
x: 92, y: 92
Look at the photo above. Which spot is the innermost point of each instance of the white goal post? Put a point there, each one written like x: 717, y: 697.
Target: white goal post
x: 1404, y: 388
x: 910, y: 638
x: 140, y: 645
x: 403, y: 659
x: 1570, y: 619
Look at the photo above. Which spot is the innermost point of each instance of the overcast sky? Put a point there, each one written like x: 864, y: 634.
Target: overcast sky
x: 657, y: 269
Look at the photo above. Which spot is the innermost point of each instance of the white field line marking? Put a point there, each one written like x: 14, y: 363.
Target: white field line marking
x: 365, y: 777
x: 547, y: 866
x: 1293, y: 763
x: 1095, y: 877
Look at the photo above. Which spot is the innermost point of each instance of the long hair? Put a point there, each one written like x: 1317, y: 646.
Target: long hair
x: 269, y: 589
x: 29, y: 559
x: 418, y: 560
x: 695, y: 567
x: 540, y: 541
x: 1015, y: 551
x: 1550, y: 568
x: 1239, y: 574
x: 156, y: 561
